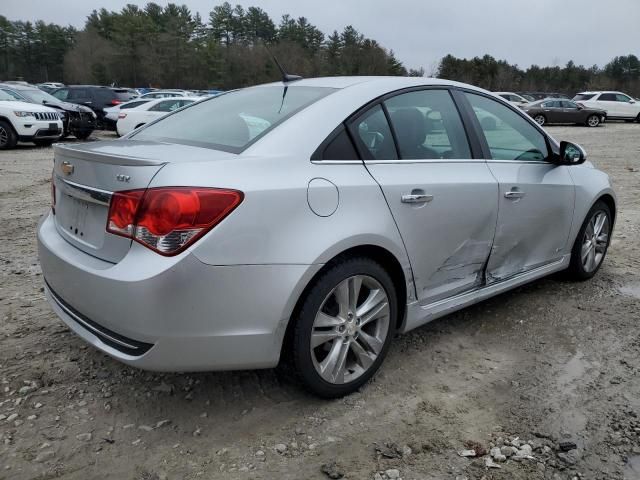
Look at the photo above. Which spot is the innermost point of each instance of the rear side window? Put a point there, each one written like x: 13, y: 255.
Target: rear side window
x: 166, y: 106
x: 373, y: 135
x: 231, y: 121
x: 608, y: 97
x: 584, y: 96
x: 79, y: 93
x: 509, y: 136
x: 338, y: 146
x: 132, y: 104
x: 427, y: 125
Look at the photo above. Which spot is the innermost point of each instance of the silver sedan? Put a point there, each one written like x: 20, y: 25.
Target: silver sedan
x: 308, y: 222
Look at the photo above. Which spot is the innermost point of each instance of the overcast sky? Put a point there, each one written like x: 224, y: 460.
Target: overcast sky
x: 543, y: 32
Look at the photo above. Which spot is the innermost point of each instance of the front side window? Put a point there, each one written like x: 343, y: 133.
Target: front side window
x: 621, y: 97
x: 568, y: 104
x: 427, y: 125
x: 373, y: 136
x: 509, y: 136
x: 233, y: 120
x: 551, y: 104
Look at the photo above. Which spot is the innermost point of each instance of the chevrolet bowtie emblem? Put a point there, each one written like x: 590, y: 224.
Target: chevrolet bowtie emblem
x: 67, y: 168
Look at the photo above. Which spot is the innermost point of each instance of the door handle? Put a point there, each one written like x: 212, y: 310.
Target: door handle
x: 514, y: 194
x: 417, y: 198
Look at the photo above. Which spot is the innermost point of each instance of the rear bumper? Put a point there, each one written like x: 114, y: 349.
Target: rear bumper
x: 171, y: 313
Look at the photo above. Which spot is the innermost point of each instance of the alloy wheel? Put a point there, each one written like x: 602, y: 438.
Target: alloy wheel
x: 4, y: 136
x: 593, y: 121
x: 540, y: 120
x: 595, y: 241
x: 350, y: 329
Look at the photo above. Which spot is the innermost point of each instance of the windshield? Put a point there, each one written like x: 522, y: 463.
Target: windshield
x: 38, y: 96
x: 6, y: 96
x: 232, y: 121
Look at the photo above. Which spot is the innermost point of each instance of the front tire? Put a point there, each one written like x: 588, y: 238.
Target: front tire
x: 344, y: 327
x: 540, y: 119
x: 8, y: 138
x: 83, y: 135
x: 593, y: 121
x: 592, y: 243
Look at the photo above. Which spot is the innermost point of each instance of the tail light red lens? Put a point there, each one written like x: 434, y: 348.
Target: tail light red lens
x: 116, y: 102
x: 169, y: 219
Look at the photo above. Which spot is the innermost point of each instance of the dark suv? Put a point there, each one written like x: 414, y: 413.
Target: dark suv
x: 96, y: 98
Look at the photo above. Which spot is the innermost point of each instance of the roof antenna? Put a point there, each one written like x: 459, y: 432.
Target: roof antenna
x: 285, y: 76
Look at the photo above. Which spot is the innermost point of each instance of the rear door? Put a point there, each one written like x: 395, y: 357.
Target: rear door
x: 443, y: 199
x: 607, y: 101
x: 553, y: 111
x: 536, y: 201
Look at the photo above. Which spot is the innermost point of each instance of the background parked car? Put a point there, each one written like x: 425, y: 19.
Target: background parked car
x: 77, y: 120
x: 149, y: 111
x: 49, y: 86
x: 96, y: 98
x: 111, y: 114
x: 513, y: 98
x: 564, y: 111
x: 542, y: 95
x: 164, y: 94
x: 27, y: 122
x: 618, y: 105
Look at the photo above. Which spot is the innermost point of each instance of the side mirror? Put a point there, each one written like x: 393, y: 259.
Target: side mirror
x: 571, y: 154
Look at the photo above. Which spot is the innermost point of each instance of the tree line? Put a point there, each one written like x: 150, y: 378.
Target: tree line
x: 621, y: 73
x: 172, y: 47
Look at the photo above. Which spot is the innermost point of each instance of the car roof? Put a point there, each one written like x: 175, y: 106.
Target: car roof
x: 388, y: 81
x: 18, y: 86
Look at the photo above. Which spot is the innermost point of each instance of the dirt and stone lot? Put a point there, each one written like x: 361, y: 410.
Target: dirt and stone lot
x: 549, y: 372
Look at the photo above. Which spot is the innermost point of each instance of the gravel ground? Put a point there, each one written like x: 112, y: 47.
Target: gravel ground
x: 549, y: 372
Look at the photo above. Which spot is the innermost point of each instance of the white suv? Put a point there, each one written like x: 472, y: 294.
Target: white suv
x: 27, y: 122
x: 618, y: 105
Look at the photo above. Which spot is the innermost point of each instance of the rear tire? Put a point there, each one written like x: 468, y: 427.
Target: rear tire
x: 8, y: 137
x: 592, y: 243
x: 593, y: 121
x: 540, y: 119
x: 638, y: 118
x: 344, y: 328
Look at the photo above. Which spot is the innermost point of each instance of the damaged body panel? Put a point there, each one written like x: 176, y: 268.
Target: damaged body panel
x: 533, y: 227
x: 448, y: 239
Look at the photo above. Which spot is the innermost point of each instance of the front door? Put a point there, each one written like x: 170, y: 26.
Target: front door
x: 536, y: 200
x: 443, y: 201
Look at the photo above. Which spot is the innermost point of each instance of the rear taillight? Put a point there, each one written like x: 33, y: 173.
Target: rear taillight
x: 53, y: 192
x: 116, y: 102
x: 122, y: 115
x: 169, y: 219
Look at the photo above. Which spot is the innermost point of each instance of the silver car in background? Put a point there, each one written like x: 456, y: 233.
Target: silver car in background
x: 309, y: 222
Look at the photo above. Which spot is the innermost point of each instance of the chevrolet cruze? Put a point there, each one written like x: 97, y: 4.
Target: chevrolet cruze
x: 310, y: 221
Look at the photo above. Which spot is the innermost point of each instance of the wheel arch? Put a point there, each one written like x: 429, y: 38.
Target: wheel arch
x: 4, y: 118
x: 377, y: 253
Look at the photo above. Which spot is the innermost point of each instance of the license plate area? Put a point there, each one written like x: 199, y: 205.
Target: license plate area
x: 83, y: 221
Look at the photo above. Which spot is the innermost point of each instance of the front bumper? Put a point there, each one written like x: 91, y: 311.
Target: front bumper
x: 178, y: 313
x: 29, y: 130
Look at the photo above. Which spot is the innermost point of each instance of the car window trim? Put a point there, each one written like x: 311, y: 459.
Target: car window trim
x: 318, y: 155
x: 474, y: 143
x: 473, y: 119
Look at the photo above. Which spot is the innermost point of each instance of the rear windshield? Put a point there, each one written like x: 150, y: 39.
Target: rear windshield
x: 232, y: 121
x: 584, y: 96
